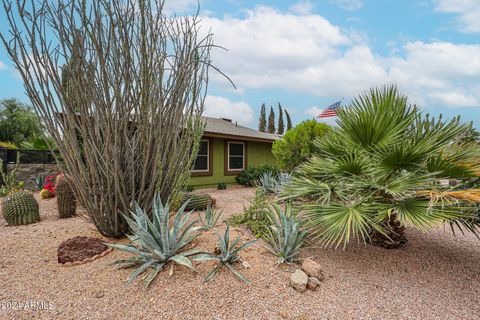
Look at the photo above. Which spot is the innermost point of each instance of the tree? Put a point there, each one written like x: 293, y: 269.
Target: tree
x: 271, y: 121
x: 281, y: 125
x: 135, y: 91
x: 289, y: 121
x: 296, y: 145
x: 18, y: 122
x: 381, y: 170
x: 262, y: 121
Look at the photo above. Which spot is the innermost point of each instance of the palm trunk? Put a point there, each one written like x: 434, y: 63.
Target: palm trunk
x: 394, y: 236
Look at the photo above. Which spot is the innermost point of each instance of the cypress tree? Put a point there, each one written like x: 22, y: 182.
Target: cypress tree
x: 281, y: 125
x: 262, y: 121
x: 289, y: 121
x: 271, y: 121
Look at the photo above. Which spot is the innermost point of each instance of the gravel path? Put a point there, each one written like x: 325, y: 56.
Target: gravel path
x: 436, y: 276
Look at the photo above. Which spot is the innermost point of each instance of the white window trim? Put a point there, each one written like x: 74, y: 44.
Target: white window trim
x: 228, y: 156
x: 208, y: 157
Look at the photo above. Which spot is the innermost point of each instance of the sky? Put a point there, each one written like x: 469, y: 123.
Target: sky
x: 307, y: 55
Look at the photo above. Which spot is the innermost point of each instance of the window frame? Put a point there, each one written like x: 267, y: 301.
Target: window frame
x: 204, y: 172
x: 228, y: 170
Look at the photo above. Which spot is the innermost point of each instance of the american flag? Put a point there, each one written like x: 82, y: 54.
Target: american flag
x: 330, y: 111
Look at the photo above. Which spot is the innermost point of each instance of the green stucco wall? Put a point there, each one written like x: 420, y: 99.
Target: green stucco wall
x: 258, y: 153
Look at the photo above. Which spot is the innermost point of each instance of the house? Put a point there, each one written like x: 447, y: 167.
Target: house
x: 226, y: 149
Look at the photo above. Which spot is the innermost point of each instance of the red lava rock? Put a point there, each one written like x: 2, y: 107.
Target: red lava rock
x: 79, y: 249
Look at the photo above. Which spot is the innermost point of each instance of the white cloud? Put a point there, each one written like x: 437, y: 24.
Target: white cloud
x: 350, y: 5
x: 221, y: 107
x: 269, y: 49
x: 438, y: 73
x: 302, y: 8
x: 468, y: 12
x: 2, y: 65
x: 313, y: 112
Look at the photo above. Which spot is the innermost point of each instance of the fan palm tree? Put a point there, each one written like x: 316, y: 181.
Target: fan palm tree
x: 384, y: 168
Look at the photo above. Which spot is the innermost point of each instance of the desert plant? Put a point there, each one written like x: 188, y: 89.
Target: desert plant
x: 10, y: 182
x: 209, y: 218
x: 155, y: 243
x: 249, y: 176
x: 297, y: 144
x: 254, y: 217
x: 369, y: 178
x: 40, y: 182
x: 227, y: 256
x: 20, y: 208
x: 285, y: 234
x: 46, y: 194
x: 221, y: 186
x: 133, y: 88
x: 268, y: 182
x: 198, y: 201
x: 66, y: 202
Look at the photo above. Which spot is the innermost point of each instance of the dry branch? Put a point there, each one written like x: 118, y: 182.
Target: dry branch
x: 120, y: 88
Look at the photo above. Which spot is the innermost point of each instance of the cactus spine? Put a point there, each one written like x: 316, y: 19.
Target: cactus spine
x: 65, y: 198
x: 20, y: 208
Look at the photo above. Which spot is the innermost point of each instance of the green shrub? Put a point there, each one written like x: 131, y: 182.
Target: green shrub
x: 189, y: 188
x: 297, y: 144
x: 249, y: 176
x: 255, y: 216
x: 222, y: 186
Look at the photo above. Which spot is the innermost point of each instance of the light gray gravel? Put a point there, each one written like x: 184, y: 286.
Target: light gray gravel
x: 436, y: 276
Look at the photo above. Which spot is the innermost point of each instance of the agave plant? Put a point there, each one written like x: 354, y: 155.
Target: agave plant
x: 381, y: 169
x: 211, y: 218
x: 228, y: 255
x: 268, y: 182
x: 285, y: 235
x: 155, y: 243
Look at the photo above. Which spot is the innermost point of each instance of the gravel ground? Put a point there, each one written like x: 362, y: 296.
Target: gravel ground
x: 436, y: 276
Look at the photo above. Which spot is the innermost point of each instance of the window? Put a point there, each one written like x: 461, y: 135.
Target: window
x: 236, y: 156
x: 202, y: 161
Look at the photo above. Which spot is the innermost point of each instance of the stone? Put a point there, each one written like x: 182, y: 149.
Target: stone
x: 299, y: 280
x: 313, y: 283
x: 245, y: 264
x: 284, y: 314
x: 99, y: 294
x: 312, y: 269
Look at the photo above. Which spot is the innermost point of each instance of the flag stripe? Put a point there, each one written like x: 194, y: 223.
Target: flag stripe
x: 330, y: 111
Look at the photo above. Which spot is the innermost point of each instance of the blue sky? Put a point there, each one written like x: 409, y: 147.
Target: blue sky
x: 309, y: 54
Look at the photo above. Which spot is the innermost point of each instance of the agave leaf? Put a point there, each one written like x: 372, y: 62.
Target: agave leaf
x: 205, y: 257
x: 182, y: 260
x: 153, y: 274
x: 243, y: 246
x: 212, y: 273
x: 126, y: 248
x: 139, y: 270
x: 238, y: 274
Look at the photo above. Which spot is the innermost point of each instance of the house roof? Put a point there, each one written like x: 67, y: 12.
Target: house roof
x: 226, y: 128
